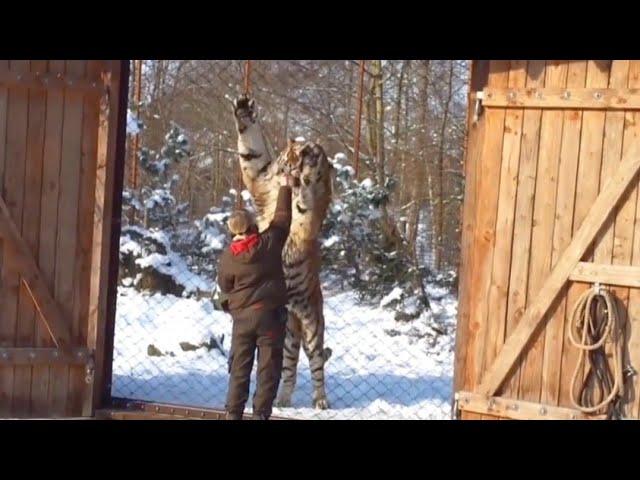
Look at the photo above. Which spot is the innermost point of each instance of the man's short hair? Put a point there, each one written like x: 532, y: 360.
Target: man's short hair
x: 240, y: 221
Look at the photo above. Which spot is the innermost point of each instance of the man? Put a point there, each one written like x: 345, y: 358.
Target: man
x: 251, y: 279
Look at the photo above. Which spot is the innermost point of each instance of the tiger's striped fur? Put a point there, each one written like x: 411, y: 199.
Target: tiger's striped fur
x: 301, y: 253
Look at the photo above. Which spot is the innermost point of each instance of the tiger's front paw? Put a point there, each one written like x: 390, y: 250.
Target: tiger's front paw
x: 321, y: 404
x: 244, y: 111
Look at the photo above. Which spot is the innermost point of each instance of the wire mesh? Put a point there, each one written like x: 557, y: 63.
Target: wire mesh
x: 389, y: 307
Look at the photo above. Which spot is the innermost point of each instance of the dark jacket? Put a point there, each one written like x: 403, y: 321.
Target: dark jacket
x: 252, y: 278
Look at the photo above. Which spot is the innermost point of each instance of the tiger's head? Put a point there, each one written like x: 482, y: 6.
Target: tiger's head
x: 312, y: 195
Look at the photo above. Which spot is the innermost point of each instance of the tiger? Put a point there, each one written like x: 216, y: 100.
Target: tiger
x: 307, y: 162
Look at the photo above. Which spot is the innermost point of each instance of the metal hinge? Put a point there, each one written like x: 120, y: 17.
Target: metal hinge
x: 477, y: 106
x: 89, y: 371
x: 456, y: 413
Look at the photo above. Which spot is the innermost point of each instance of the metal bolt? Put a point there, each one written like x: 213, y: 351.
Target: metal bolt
x: 55, y: 354
x: 566, y: 95
x: 492, y: 403
x: 597, y: 95
x: 466, y: 400
x: 515, y: 407
x: 59, y: 75
x: 538, y: 95
x: 489, y: 95
x: 511, y: 96
x: 32, y: 355
x: 543, y: 411
x: 157, y: 409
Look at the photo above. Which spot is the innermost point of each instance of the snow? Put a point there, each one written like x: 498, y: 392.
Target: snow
x: 300, y: 139
x: 133, y: 127
x: 379, y: 369
x: 367, y: 183
x: 394, y: 295
x: 173, y: 265
x: 332, y: 240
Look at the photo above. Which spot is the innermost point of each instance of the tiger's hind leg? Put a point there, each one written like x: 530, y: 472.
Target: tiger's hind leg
x: 313, y: 344
x: 291, y: 355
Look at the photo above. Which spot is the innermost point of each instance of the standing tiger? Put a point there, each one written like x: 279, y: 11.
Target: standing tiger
x: 301, y: 254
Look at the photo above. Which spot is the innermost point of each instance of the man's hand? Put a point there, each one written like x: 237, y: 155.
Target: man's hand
x: 287, y: 181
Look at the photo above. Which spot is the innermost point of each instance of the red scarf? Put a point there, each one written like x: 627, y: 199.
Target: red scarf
x: 244, y: 245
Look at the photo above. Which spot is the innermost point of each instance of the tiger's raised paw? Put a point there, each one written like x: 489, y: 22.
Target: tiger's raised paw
x: 244, y: 111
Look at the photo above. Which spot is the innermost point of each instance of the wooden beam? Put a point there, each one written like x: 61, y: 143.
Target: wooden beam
x: 49, y: 81
x: 564, y: 98
x: 50, y: 312
x: 603, y: 207
x: 517, y: 409
x: 175, y: 411
x: 621, y: 275
x: 45, y: 356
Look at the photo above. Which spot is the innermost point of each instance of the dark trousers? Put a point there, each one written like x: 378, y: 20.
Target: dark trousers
x: 266, y: 331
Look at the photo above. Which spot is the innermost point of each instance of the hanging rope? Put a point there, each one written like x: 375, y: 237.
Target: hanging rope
x: 247, y: 77
x: 247, y: 91
x: 356, y: 141
x: 596, y: 321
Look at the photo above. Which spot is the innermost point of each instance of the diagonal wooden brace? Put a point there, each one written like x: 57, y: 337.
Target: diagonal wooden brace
x: 532, y: 319
x: 48, y: 308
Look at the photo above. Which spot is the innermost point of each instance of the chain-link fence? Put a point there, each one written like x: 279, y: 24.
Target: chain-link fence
x: 389, y: 242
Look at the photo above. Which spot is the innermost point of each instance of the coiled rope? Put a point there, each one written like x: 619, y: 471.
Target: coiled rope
x: 595, y: 322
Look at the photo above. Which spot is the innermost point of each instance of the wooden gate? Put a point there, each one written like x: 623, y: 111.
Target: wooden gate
x: 57, y: 155
x: 551, y: 206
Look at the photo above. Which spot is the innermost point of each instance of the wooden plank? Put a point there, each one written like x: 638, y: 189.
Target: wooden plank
x: 542, y: 226
x: 497, y: 308
x: 41, y: 80
x: 80, y: 393
x: 518, y: 277
x: 101, y: 249
x: 25, y: 328
x: 44, y: 356
x: 4, y: 330
x: 516, y: 409
x: 488, y: 170
x: 588, y: 185
x: 175, y: 411
x: 621, y: 275
x: 16, y: 142
x: 67, y: 224
x: 565, y: 199
x: 473, y: 150
x: 611, y: 155
x: 632, y: 352
x: 48, y: 230
x: 32, y: 281
x: 612, y: 98
x: 592, y: 224
x: 622, y: 240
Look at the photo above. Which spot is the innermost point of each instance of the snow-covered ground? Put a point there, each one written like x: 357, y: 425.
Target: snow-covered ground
x: 380, y: 368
